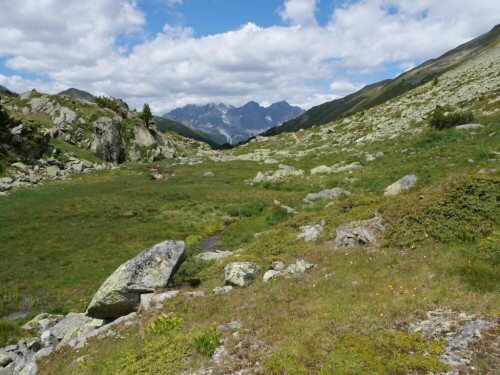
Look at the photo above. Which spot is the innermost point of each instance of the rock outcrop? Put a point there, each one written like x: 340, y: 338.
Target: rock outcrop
x: 107, y: 142
x: 326, y: 194
x: 359, y: 233
x: 121, y: 293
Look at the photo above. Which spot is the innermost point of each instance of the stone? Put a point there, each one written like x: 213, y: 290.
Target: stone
x: 156, y: 299
x: 469, y: 127
x: 208, y: 174
x: 53, y: 171
x: 214, y: 255
x: 107, y: 142
x: 322, y: 169
x: 359, y: 233
x: 404, y: 183
x: 21, y: 167
x: 143, y: 137
x: 69, y: 323
x: 120, y: 294
x: 220, y: 355
x: 4, y: 360
x: 278, y: 266
x: 241, y: 273
x: 11, y: 348
x: 230, y: 326
x: 44, y: 352
x: 289, y: 210
x: 222, y: 289
x: 326, y: 194
x: 5, y: 187
x: 66, y: 117
x: 271, y: 274
x: 299, y: 268
x: 309, y: 232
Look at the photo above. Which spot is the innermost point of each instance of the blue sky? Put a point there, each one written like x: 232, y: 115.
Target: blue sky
x: 170, y: 53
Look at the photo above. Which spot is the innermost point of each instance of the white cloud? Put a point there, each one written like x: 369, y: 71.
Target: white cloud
x: 74, y: 44
x: 345, y: 87
x: 299, y: 12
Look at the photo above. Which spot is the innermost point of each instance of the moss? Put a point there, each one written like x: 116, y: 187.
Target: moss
x: 383, y: 353
x: 466, y: 211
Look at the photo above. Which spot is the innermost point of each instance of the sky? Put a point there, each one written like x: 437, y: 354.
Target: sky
x: 170, y: 53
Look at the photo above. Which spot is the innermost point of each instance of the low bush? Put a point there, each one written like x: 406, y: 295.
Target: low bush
x: 440, y: 121
x: 206, y: 343
x: 164, y: 324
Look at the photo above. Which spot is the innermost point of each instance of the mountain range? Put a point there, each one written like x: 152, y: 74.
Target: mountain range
x: 229, y: 124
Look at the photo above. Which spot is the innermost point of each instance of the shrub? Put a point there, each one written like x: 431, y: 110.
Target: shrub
x: 439, y: 120
x: 206, y: 343
x: 248, y: 210
x: 164, y: 324
x: 276, y: 215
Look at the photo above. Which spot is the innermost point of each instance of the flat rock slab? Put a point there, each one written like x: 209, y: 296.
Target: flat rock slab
x: 469, y: 127
x: 121, y: 293
x: 403, y: 184
x: 326, y: 194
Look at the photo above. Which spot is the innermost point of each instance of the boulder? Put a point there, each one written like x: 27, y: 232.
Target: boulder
x: 143, y: 136
x: 309, y: 232
x: 403, y: 184
x: 4, y: 360
x: 240, y: 273
x: 107, y: 142
x: 120, y: 294
x: 322, y: 169
x: 43, y: 322
x: 53, y: 171
x: 222, y: 289
x: 359, y: 233
x: 208, y: 174
x: 326, y: 194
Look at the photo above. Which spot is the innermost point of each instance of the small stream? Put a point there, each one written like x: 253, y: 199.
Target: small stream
x: 210, y: 243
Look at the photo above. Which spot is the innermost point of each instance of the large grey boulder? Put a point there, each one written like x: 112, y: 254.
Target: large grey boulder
x: 241, y: 273
x: 143, y: 136
x: 121, y: 293
x: 107, y: 143
x: 403, y: 184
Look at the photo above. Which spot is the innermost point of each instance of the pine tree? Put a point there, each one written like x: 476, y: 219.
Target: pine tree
x: 147, y: 116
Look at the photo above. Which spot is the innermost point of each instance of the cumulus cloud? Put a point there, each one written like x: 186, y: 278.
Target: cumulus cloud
x: 299, y: 12
x: 79, y: 44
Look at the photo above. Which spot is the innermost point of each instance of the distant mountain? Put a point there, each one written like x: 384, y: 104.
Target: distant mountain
x: 380, y: 92
x: 78, y: 94
x: 234, y: 124
x: 5, y: 91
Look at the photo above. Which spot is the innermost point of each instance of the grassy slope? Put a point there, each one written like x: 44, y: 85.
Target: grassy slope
x: 165, y: 124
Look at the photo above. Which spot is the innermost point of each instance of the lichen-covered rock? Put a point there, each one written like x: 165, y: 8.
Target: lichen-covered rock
x: 271, y: 274
x: 326, y: 194
x: 120, y: 294
x: 43, y: 322
x: 299, y: 268
x: 107, y: 143
x: 309, y: 232
x: 241, y: 273
x: 214, y: 255
x: 403, y: 184
x: 359, y: 233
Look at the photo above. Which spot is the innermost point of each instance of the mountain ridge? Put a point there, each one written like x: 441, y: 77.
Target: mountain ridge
x: 231, y: 124
x: 379, y: 92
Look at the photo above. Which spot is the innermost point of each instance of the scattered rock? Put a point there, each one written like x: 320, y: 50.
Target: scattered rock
x: 208, y: 174
x: 214, y: 255
x: 196, y: 294
x: 469, y: 127
x: 322, y: 169
x: 310, y: 232
x: 299, y: 268
x: 232, y: 325
x: 403, y: 184
x: 270, y: 275
x: 120, y: 294
x: 282, y: 173
x: 156, y: 299
x: 223, y: 289
x: 459, y: 329
x: 278, y: 266
x: 359, y: 233
x: 326, y: 194
x: 240, y: 273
